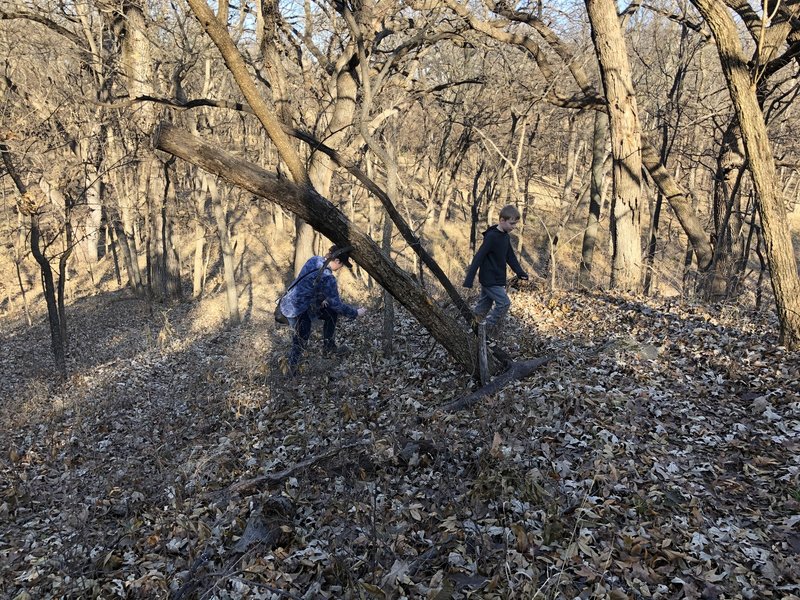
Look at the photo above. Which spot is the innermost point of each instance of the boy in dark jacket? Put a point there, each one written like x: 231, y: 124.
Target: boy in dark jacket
x: 493, y: 255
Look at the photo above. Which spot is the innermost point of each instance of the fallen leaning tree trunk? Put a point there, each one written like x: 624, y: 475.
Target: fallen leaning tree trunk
x: 316, y: 210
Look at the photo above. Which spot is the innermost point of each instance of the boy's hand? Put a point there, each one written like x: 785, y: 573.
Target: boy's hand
x: 361, y: 311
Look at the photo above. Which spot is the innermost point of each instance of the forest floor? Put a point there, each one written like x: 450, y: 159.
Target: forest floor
x: 657, y: 457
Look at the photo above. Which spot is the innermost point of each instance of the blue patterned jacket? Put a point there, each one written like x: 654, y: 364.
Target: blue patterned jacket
x: 312, y: 290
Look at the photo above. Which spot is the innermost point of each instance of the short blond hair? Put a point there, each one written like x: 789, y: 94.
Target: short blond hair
x: 509, y: 211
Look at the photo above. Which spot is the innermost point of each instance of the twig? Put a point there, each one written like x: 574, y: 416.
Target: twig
x: 192, y: 580
x: 274, y: 478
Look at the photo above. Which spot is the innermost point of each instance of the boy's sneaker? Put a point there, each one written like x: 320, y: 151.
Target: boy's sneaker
x: 335, y: 351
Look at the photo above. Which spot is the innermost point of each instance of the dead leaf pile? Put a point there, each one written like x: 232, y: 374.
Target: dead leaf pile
x: 657, y: 457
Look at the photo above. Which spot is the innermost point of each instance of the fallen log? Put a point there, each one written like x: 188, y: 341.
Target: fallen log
x: 516, y: 371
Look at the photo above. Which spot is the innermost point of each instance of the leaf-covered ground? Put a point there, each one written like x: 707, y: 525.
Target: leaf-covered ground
x: 657, y: 457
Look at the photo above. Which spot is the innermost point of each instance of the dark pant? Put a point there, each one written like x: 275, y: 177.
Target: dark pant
x: 493, y: 295
x: 302, y: 331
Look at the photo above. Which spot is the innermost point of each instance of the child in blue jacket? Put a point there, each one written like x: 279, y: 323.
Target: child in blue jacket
x: 314, y: 295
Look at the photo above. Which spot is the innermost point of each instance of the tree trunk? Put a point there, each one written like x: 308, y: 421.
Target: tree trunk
x: 121, y: 217
x: 595, y: 198
x: 172, y: 261
x: 94, y: 217
x: 323, y: 216
x: 727, y: 182
x: 228, y: 264
x: 137, y: 66
x: 386, y: 246
x: 153, y: 190
x: 476, y: 197
x: 57, y: 198
x: 778, y: 241
x: 626, y: 144
x: 320, y: 171
x: 445, y: 208
x: 570, y: 161
x: 113, y: 246
x: 201, y: 209
x: 303, y: 244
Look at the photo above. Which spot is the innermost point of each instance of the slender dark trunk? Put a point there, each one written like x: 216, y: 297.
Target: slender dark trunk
x: 113, y: 245
x: 56, y: 339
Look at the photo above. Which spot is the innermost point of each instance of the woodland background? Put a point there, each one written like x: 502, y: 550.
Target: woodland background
x: 152, y: 447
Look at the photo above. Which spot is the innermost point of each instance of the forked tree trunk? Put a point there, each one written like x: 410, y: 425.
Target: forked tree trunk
x: 778, y: 241
x: 626, y: 144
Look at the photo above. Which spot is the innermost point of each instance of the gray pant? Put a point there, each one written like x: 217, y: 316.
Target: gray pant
x: 496, y: 295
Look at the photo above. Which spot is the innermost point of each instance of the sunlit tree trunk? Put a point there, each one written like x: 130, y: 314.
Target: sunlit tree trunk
x: 626, y: 273
x: 228, y: 264
x: 201, y: 209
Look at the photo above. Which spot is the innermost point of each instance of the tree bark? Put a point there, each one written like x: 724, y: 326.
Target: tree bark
x: 228, y: 265
x: 94, y: 217
x: 201, y: 209
x: 171, y: 243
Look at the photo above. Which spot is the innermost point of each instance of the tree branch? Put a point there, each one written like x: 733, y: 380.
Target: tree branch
x: 517, y: 371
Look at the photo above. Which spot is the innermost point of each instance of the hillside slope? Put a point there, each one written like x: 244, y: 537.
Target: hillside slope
x: 658, y: 457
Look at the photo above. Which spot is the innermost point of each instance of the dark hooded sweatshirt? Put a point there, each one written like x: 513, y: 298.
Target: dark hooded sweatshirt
x: 493, y: 255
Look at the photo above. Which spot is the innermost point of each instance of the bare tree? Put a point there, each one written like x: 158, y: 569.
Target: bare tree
x: 626, y: 210
x: 53, y: 296
x: 780, y: 253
